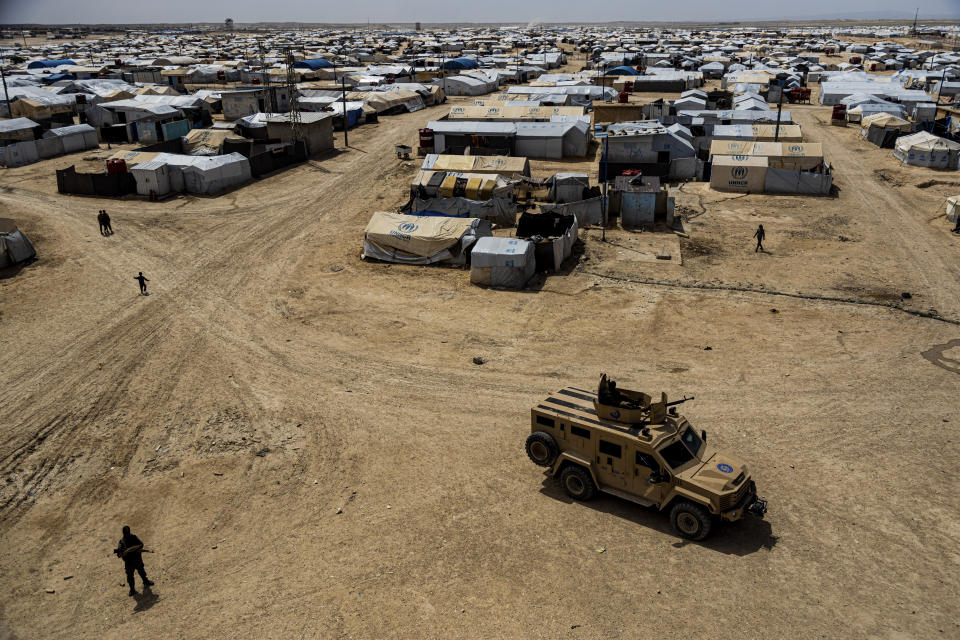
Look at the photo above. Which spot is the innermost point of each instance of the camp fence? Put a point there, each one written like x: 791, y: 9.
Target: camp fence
x: 95, y: 184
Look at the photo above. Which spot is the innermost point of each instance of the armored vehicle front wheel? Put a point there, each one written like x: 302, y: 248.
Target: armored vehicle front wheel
x: 577, y: 483
x: 691, y: 520
x: 542, y: 448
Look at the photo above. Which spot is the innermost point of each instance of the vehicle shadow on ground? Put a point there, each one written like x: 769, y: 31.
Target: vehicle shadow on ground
x: 741, y: 538
x: 145, y: 600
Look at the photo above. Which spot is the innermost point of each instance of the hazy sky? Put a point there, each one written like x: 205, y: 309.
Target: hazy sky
x: 147, y: 11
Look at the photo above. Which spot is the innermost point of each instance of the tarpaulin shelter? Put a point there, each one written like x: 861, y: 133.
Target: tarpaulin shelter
x: 500, y: 211
x: 953, y: 208
x: 412, y: 239
x: 15, y: 246
x: 50, y: 64
x: 460, y: 64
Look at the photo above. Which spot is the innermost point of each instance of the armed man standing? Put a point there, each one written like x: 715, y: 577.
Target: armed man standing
x: 129, y: 550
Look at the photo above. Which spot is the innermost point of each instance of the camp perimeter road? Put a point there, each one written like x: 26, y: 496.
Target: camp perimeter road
x: 304, y: 440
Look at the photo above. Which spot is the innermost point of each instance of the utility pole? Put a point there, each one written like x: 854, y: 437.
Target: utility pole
x: 776, y: 133
x: 6, y: 96
x: 343, y: 87
x: 294, y: 97
x: 915, y: 16
x: 606, y: 162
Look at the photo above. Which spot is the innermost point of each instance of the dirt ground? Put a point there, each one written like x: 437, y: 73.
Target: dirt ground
x: 304, y: 441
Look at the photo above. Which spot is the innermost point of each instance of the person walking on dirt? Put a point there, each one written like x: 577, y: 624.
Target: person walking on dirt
x: 106, y: 222
x: 100, y: 221
x: 143, y: 283
x: 760, y: 234
x: 956, y: 228
x: 129, y: 550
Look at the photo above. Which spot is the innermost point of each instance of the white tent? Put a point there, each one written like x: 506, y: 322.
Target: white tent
x: 924, y: 149
x: 153, y: 177
x: 213, y: 174
x: 502, y: 262
x: 77, y: 137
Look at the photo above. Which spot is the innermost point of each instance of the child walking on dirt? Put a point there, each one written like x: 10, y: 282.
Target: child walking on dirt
x: 759, y: 235
x: 143, y: 283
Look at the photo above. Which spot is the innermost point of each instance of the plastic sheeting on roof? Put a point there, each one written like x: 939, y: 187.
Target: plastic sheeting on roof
x: 313, y: 64
x: 50, y: 64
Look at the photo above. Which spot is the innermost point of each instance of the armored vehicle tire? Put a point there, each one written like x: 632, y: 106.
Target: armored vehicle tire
x: 577, y: 482
x: 691, y: 521
x: 542, y: 448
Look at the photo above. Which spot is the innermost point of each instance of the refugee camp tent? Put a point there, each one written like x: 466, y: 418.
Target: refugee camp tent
x: 421, y: 239
x: 953, y: 208
x: 77, y: 137
x: 745, y: 174
x: 924, y: 149
x: 209, y: 175
x: 503, y: 165
x: 540, y: 140
x: 568, y: 187
x: 502, y: 262
x: 153, y: 178
x: 781, y: 155
x: 17, y: 130
x: 882, y: 129
x: 15, y: 246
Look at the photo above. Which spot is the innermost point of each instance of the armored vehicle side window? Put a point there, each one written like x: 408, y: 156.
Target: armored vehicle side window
x: 577, y: 431
x: 547, y: 422
x: 676, y: 455
x: 646, y: 461
x: 610, y: 449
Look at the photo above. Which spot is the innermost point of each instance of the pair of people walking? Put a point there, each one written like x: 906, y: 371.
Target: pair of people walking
x: 103, y: 218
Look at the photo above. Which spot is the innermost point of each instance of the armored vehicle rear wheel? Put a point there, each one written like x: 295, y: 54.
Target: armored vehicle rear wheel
x: 577, y: 482
x: 542, y: 448
x: 691, y: 520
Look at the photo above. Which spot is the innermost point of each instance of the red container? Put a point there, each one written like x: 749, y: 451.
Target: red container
x: 628, y: 86
x: 116, y: 165
x: 426, y: 138
x: 623, y: 98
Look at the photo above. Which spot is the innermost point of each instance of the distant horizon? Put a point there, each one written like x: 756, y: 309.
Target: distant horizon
x: 501, y: 12
x: 520, y: 24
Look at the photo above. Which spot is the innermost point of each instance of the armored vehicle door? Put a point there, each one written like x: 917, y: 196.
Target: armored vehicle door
x: 611, y: 467
x: 641, y: 466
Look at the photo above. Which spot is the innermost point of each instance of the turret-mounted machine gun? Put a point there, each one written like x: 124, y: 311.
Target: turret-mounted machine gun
x: 631, y: 407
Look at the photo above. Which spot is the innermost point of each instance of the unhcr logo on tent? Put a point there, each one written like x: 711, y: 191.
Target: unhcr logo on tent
x: 740, y: 172
x: 404, y: 229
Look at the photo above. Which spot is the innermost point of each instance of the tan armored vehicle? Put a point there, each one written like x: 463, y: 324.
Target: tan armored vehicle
x: 622, y: 443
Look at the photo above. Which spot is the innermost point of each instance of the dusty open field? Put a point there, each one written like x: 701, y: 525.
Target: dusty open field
x: 271, y: 378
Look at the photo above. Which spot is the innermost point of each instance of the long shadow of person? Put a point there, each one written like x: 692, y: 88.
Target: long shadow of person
x: 145, y: 600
